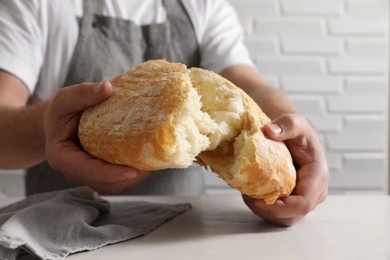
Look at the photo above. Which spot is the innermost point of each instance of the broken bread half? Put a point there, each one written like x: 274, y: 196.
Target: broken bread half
x: 162, y: 115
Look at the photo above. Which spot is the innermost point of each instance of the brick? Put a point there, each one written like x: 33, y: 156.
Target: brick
x: 361, y: 171
x: 311, y: 45
x: 248, y: 10
x: 262, y: 46
x: 365, y: 191
x: 367, y: 86
x: 325, y: 122
x: 255, y: 8
x: 347, y: 103
x: 356, y: 142
x: 361, y: 133
x: 367, y: 8
x: 335, y: 161
x: 369, y: 124
x: 290, y: 65
x: 359, y: 66
x: 308, y: 104
x: 293, y: 27
x: 310, y: 7
x: 312, y: 84
x: 365, y: 47
x: 342, y: 26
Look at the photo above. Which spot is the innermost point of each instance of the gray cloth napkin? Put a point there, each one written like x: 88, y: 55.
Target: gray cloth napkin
x: 55, y: 224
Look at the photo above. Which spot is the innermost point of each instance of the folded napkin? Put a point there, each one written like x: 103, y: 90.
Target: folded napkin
x: 55, y: 224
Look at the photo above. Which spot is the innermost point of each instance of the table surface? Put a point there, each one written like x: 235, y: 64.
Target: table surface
x: 222, y: 227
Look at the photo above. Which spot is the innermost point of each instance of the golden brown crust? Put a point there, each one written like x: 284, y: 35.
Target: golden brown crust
x: 137, y: 113
x: 139, y: 126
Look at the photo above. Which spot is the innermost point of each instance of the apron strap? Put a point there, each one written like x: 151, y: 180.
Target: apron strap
x: 182, y: 30
x: 91, y: 7
x: 177, y: 12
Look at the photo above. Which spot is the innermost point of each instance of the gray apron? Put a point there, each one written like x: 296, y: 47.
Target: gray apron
x: 109, y: 46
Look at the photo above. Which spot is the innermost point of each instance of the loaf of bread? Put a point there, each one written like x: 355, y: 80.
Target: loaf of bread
x: 162, y: 115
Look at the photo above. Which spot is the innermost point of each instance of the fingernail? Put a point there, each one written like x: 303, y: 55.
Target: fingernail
x: 96, y: 89
x: 275, y: 128
x: 278, y: 203
x: 129, y: 175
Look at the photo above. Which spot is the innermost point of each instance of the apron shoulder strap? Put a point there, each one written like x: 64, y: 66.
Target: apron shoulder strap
x: 91, y: 7
x: 186, y: 45
x: 176, y: 10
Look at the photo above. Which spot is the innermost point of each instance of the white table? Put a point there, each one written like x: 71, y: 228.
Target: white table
x: 222, y: 227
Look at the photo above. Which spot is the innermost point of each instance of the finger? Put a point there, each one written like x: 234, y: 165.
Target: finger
x: 307, y: 195
x: 80, y: 167
x: 285, y: 127
x: 292, y: 207
x: 99, y: 175
x: 286, y: 222
x: 82, y: 96
x: 268, y: 216
x: 299, y: 136
x: 117, y: 187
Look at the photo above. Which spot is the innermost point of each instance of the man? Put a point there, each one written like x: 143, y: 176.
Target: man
x: 51, y: 43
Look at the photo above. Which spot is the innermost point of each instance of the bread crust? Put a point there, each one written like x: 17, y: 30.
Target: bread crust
x: 137, y: 126
x: 138, y: 114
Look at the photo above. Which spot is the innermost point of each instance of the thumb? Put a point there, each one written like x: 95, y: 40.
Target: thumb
x: 78, y: 97
x: 284, y: 127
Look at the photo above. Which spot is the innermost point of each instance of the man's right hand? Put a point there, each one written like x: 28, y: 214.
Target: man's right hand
x: 61, y: 121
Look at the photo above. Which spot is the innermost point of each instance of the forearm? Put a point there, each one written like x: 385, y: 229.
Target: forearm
x: 272, y: 101
x: 21, y: 136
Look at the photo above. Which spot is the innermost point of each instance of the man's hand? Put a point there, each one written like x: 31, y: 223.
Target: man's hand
x: 61, y: 121
x: 312, y: 171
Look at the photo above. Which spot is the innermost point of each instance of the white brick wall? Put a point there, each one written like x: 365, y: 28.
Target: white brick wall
x: 331, y: 58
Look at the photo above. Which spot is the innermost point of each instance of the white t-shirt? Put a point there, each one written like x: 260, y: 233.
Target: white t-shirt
x: 38, y: 37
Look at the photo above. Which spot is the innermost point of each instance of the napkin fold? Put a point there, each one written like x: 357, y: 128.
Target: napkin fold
x: 55, y: 224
